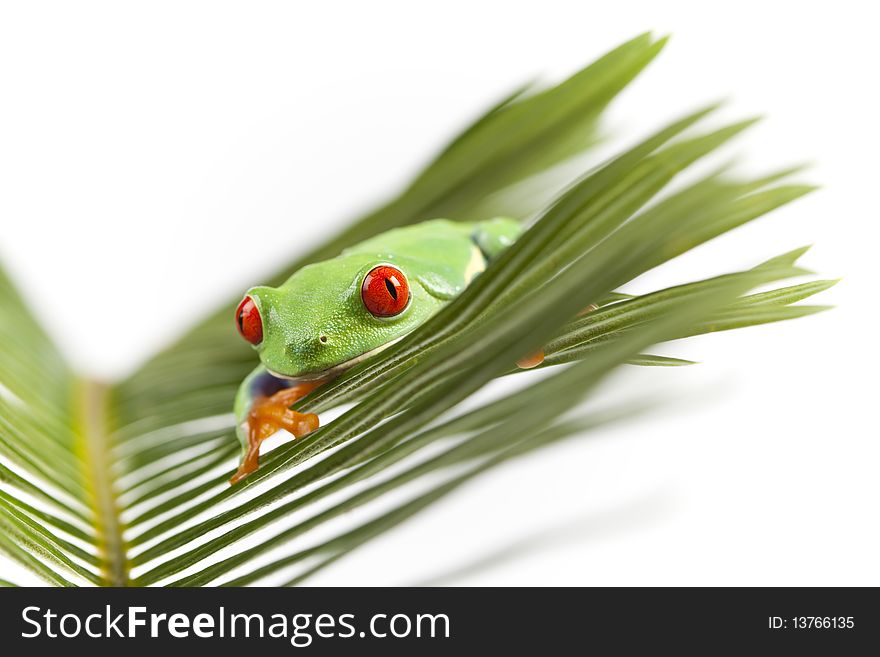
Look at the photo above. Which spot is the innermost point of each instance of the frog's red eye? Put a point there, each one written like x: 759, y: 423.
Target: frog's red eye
x: 248, y: 321
x: 385, y: 291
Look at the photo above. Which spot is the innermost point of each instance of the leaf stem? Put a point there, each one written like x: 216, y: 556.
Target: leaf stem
x: 96, y: 449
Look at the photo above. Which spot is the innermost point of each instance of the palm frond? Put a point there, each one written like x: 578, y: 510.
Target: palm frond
x: 126, y: 484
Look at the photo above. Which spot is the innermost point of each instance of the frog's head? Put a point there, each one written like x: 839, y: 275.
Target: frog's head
x: 330, y: 315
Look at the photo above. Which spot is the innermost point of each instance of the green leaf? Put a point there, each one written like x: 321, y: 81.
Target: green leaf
x: 126, y: 483
x: 652, y: 360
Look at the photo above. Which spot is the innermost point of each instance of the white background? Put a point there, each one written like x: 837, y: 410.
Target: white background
x: 156, y: 158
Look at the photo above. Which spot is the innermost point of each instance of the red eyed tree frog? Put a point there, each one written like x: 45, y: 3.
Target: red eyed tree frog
x: 331, y: 315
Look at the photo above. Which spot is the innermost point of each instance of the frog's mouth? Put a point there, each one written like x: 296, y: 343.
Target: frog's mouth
x: 336, y: 370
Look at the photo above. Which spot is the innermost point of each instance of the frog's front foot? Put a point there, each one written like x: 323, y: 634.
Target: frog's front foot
x: 267, y: 415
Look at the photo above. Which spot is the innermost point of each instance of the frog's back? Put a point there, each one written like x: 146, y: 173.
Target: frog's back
x: 442, y: 255
x: 432, y: 239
